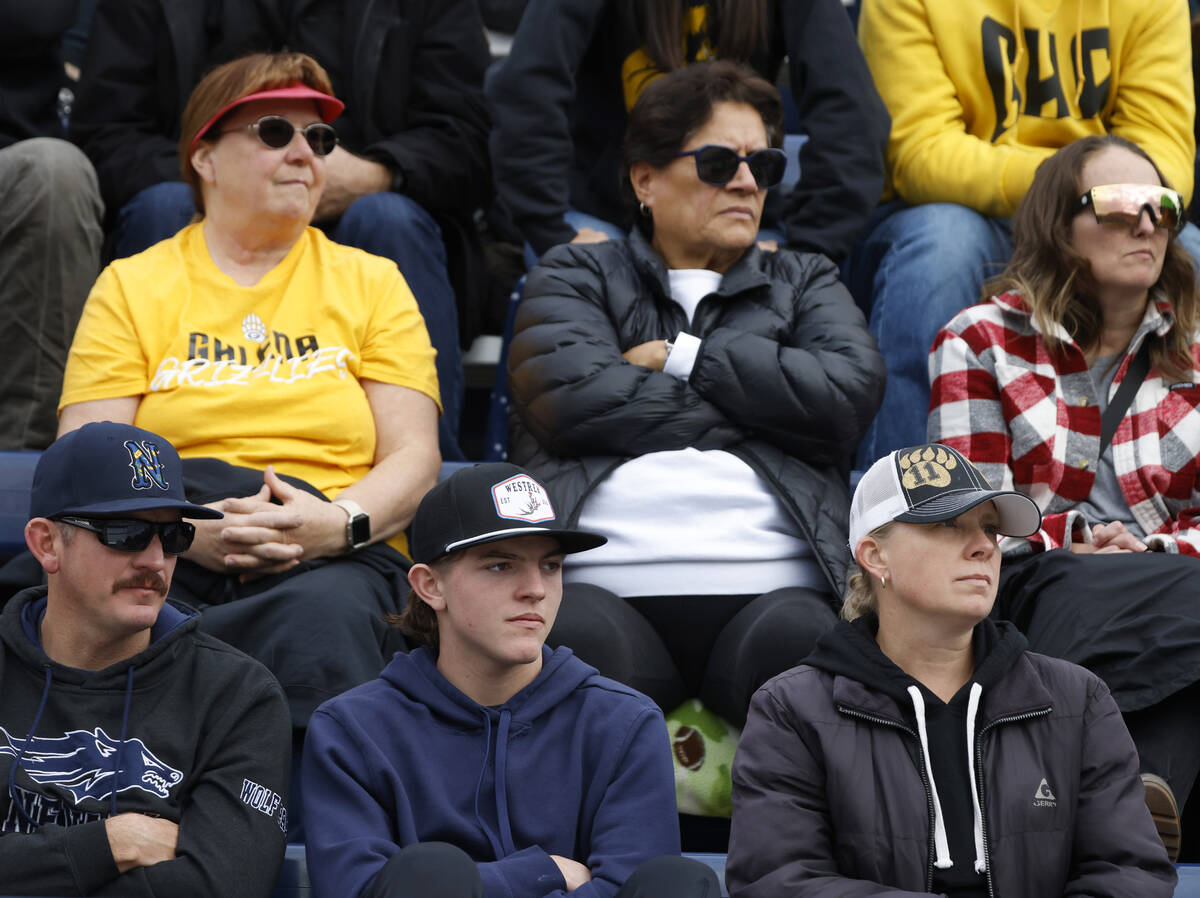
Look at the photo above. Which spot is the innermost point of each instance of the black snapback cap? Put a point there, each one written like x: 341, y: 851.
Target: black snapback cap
x: 486, y: 503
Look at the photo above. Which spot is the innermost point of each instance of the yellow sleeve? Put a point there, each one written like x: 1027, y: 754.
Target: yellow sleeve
x: 931, y: 156
x: 1155, y: 104
x: 397, y: 349
x: 107, y: 359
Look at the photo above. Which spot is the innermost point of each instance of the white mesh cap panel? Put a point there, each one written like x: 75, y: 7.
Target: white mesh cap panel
x: 878, y: 499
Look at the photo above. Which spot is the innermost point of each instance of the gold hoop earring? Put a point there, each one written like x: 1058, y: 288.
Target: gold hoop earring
x: 883, y: 581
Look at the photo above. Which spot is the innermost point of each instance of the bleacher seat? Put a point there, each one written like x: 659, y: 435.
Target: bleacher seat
x: 293, y: 875
x: 16, y: 479
x: 293, y: 878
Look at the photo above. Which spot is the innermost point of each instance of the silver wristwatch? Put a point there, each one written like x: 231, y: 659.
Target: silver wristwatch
x: 358, y: 525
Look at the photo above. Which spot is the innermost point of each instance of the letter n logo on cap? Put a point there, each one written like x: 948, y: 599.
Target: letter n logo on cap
x: 147, y: 469
x: 521, y: 498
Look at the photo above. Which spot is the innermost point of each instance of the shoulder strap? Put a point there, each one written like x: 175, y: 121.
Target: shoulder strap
x: 1112, y: 416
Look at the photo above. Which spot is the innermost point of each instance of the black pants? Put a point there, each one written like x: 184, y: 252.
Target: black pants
x: 1133, y: 620
x: 438, y: 870
x: 672, y: 648
x: 319, y: 628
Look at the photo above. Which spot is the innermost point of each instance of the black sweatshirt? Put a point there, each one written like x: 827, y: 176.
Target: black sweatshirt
x: 202, y: 737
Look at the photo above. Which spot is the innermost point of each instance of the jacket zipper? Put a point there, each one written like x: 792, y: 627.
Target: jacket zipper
x: 883, y: 721
x: 987, y: 859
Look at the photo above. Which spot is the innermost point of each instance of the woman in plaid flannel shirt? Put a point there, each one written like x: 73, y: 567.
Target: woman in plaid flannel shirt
x: 1019, y: 384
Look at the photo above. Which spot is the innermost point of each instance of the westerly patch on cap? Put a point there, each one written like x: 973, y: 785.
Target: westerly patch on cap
x: 521, y: 498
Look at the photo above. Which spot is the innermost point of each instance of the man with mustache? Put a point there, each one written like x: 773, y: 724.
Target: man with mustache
x: 483, y: 764
x: 140, y: 755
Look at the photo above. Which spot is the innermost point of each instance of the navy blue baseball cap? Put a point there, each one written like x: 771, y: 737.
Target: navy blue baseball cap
x: 484, y: 504
x: 108, y: 469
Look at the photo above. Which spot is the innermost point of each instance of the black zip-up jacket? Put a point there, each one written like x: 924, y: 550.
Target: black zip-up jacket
x: 411, y: 75
x: 832, y: 787
x: 31, y: 70
x: 190, y: 730
x: 560, y: 115
x: 787, y: 377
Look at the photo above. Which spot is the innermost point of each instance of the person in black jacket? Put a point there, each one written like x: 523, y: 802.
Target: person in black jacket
x: 138, y: 756
x: 696, y: 399
x: 921, y: 748
x: 411, y: 166
x: 560, y: 103
x: 50, y: 214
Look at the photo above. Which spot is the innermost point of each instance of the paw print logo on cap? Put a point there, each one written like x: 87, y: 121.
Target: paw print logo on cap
x: 927, y: 466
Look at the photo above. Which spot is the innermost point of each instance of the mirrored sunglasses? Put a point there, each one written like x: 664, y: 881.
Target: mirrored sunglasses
x: 276, y: 132
x: 1123, y: 204
x: 134, y: 534
x: 717, y: 165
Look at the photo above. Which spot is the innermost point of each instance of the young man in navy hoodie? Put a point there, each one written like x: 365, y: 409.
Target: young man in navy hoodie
x: 140, y: 756
x: 483, y: 763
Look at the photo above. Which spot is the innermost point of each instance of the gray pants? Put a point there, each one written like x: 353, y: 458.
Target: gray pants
x: 50, y: 239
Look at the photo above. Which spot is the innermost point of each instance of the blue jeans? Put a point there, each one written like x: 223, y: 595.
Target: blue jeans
x: 577, y: 220
x: 385, y: 224
x: 917, y: 268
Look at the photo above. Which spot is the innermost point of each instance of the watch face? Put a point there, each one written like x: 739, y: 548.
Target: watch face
x: 360, y: 529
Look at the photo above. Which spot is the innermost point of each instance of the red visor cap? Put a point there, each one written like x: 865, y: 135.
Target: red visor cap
x: 330, y: 107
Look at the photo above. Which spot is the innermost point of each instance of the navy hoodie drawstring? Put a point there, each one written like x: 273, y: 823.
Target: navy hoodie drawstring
x: 502, y: 783
x: 112, y: 797
x: 12, y: 771
x: 487, y: 753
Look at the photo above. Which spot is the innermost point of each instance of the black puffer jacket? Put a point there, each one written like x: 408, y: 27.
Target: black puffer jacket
x: 787, y: 377
x: 831, y: 798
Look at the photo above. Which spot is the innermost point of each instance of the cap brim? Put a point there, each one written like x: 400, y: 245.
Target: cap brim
x: 569, y: 541
x: 1019, y: 515
x: 124, y: 506
x: 330, y: 106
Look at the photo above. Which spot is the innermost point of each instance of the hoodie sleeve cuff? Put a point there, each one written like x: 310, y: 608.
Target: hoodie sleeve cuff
x: 682, y: 358
x: 90, y: 856
x: 529, y: 873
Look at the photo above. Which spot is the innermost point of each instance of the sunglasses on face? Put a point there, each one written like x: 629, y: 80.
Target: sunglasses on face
x: 718, y: 165
x: 1124, y: 203
x: 276, y: 132
x: 134, y: 534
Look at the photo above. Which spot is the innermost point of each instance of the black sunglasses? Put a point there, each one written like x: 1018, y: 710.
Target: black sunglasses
x: 717, y: 165
x: 276, y: 132
x: 134, y: 534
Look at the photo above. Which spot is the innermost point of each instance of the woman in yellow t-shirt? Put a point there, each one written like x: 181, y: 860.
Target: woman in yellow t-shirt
x: 260, y: 349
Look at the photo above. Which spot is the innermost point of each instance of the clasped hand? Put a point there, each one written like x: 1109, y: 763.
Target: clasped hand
x: 258, y: 537
x: 1109, y: 539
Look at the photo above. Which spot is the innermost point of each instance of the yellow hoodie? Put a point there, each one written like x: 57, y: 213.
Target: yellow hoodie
x: 975, y: 108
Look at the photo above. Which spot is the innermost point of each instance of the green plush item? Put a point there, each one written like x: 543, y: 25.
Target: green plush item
x: 702, y: 745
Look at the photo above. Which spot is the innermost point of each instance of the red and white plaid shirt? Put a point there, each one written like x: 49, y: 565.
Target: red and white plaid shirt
x: 1030, y: 420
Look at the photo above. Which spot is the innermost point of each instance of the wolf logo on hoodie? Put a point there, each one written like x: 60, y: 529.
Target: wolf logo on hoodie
x: 82, y: 762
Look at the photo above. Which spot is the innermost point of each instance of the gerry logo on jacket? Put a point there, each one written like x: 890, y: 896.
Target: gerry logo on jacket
x: 84, y: 764
x: 1044, y: 797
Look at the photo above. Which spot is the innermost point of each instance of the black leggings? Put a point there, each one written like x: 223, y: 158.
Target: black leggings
x: 438, y: 870
x: 1132, y: 619
x: 672, y: 648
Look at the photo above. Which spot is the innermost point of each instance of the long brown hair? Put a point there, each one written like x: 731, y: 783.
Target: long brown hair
x: 1056, y: 281
x: 737, y: 29
x: 231, y: 81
